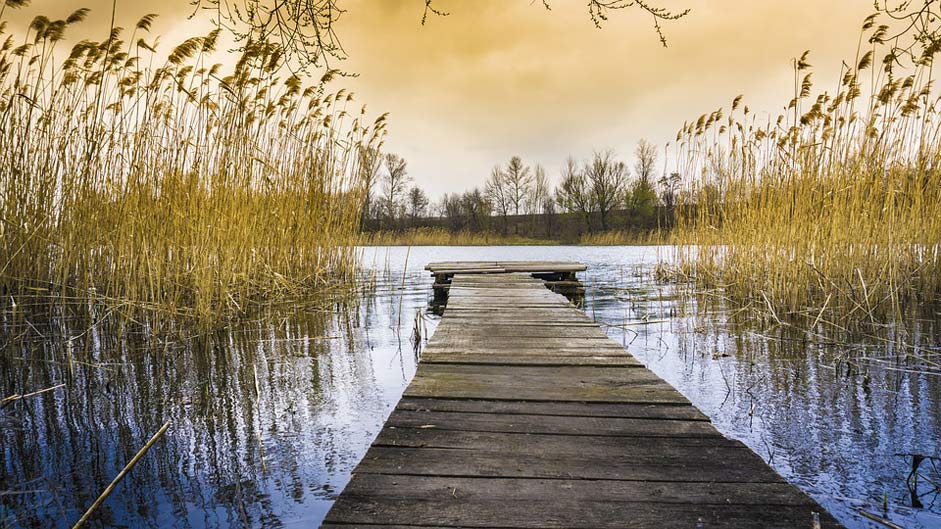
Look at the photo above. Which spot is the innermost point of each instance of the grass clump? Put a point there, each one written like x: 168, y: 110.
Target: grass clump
x: 625, y: 238
x: 169, y: 184
x: 832, y: 210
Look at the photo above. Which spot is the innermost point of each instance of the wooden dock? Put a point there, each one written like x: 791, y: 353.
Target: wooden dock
x: 524, y: 414
x: 558, y: 276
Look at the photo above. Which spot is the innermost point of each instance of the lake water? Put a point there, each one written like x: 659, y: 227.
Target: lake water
x: 270, y: 417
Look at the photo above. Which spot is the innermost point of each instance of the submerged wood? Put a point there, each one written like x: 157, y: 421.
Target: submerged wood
x: 524, y: 414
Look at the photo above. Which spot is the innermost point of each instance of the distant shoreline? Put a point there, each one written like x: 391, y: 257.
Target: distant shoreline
x: 439, y: 237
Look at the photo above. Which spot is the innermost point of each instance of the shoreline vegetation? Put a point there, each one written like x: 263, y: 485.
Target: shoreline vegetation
x: 429, y: 236
x: 171, y: 186
x: 830, y: 213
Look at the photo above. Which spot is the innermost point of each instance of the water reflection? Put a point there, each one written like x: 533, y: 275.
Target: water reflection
x: 270, y: 417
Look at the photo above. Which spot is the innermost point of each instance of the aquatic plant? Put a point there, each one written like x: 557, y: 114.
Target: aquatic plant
x: 832, y: 210
x: 624, y: 238
x: 168, y: 184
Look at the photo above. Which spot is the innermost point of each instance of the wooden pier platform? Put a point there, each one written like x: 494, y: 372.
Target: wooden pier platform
x: 559, y: 276
x: 524, y: 414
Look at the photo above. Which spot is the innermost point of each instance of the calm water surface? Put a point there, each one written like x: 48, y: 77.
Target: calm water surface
x: 269, y: 418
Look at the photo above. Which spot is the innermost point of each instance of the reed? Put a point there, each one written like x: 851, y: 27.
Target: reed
x: 831, y: 211
x: 625, y: 238
x: 171, y: 184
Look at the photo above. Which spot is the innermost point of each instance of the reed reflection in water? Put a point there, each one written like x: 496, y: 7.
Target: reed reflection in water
x: 269, y: 417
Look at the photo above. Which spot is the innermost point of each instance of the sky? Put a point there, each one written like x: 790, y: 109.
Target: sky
x: 498, y: 78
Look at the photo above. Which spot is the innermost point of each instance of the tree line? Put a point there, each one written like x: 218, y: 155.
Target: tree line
x: 600, y: 193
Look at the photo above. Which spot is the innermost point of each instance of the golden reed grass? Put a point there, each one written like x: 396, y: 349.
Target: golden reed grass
x: 835, y: 206
x: 165, y: 183
x: 625, y: 238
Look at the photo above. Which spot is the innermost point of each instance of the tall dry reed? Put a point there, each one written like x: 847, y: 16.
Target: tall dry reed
x: 168, y: 184
x: 831, y: 210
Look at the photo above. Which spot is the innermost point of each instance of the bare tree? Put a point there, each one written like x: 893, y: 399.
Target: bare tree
x: 548, y: 213
x: 451, y: 210
x: 573, y: 194
x: 538, y: 191
x: 669, y: 194
x: 645, y: 160
x: 394, y: 184
x: 476, y: 208
x: 912, y: 27
x: 417, y: 203
x: 370, y: 161
x: 519, y: 181
x: 305, y: 30
x: 499, y: 194
x: 606, y: 178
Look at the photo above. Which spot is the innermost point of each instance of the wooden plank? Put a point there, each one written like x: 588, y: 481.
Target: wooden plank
x: 509, y: 279
x: 509, y: 266
x: 504, y: 302
x: 447, y: 271
x: 578, y: 409
x: 576, y: 375
x: 538, y: 503
x: 475, y: 286
x: 549, y: 424
x: 519, y: 491
x: 529, y: 360
x: 560, y: 314
x: 476, y: 389
x: 507, y: 343
x: 463, y: 321
x: 559, y: 353
x: 454, y: 332
x: 545, y: 383
x: 564, y: 457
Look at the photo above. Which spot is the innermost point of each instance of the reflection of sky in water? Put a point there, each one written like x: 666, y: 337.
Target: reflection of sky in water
x: 269, y: 419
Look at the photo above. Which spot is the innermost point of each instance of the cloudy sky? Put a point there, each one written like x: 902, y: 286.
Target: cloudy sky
x: 498, y: 78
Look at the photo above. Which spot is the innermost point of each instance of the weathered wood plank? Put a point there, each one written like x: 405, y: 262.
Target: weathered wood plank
x: 576, y: 375
x: 509, y: 266
x: 508, y: 343
x: 542, y: 383
x: 530, y: 314
x: 628, y: 491
x: 460, y: 321
x: 530, y: 360
x: 568, y: 459
x: 549, y: 424
x: 578, y: 409
x: 514, y: 331
x: 538, y: 503
x: 557, y: 352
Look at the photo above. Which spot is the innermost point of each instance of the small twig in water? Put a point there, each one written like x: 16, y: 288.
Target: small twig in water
x: 879, y: 519
x: 124, y: 471
x: 17, y: 396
